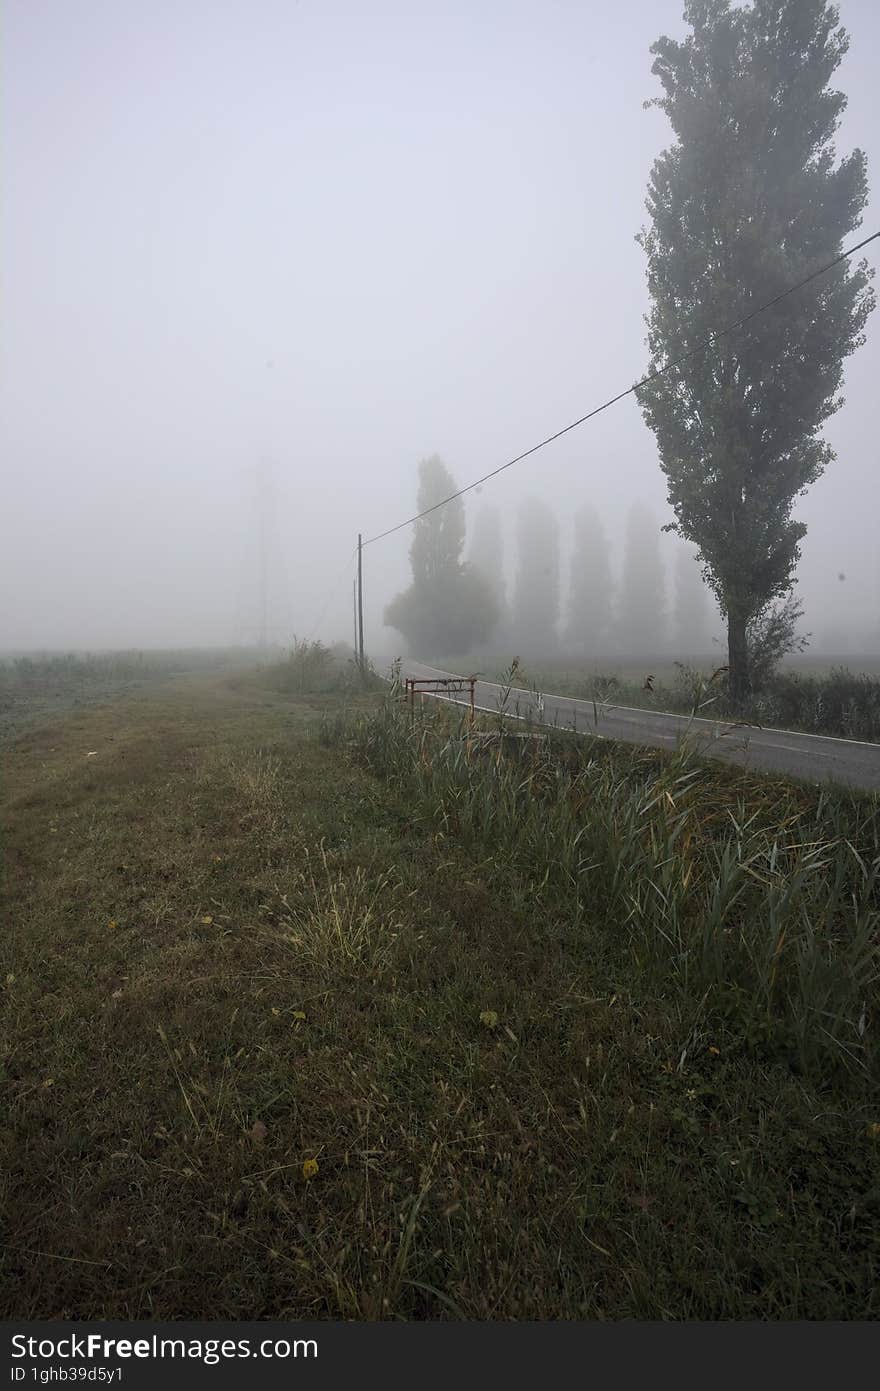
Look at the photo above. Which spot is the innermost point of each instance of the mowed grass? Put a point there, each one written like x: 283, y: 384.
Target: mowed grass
x: 280, y: 1042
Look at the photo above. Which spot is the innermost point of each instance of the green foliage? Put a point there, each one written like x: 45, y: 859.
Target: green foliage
x: 762, y: 900
x: 843, y: 703
x: 309, y: 668
x: 450, y: 605
x: 746, y: 202
x: 770, y: 636
x: 438, y: 538
x: 449, y: 616
x: 313, y: 668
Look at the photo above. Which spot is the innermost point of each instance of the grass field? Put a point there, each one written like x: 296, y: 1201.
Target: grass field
x: 37, y: 686
x: 290, y: 1031
x: 632, y: 670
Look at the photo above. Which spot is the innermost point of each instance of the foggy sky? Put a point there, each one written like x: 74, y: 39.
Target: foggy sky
x: 310, y: 243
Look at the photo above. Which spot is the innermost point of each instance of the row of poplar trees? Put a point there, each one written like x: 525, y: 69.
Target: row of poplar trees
x: 454, y: 604
x: 748, y: 200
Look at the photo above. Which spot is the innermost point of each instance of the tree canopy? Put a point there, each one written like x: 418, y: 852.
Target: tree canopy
x: 438, y: 538
x: 749, y: 200
x: 449, y: 606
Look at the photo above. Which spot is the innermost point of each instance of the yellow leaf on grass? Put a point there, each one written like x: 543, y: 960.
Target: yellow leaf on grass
x: 489, y: 1018
x: 207, y: 920
x: 310, y: 1168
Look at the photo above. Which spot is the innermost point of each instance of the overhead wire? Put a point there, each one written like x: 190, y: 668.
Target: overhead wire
x: 652, y: 376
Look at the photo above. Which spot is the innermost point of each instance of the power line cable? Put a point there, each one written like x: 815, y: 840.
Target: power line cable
x: 652, y: 376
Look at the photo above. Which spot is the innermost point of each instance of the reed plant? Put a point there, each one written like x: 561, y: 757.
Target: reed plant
x: 760, y: 894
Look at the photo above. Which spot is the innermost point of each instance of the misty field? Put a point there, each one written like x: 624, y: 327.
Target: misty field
x: 316, y: 1010
x: 34, y: 685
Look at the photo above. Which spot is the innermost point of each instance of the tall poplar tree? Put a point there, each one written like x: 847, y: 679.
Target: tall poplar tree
x: 589, y: 609
x: 449, y: 605
x: 750, y: 199
x: 486, y: 552
x: 536, y: 591
x: 641, y: 618
x: 438, y: 537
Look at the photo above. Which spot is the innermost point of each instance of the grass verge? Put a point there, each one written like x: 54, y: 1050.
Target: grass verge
x: 292, y: 1031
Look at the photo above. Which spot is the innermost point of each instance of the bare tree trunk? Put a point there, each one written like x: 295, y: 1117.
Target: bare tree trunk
x: 739, y: 677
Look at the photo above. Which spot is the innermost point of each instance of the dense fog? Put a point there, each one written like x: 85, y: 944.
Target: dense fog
x: 260, y: 259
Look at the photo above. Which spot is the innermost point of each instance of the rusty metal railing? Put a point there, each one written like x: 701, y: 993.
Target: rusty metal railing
x: 439, y: 686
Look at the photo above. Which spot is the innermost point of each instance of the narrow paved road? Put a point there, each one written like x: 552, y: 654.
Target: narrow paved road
x: 809, y: 756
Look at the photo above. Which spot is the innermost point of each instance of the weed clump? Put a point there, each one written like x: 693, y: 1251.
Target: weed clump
x: 313, y: 668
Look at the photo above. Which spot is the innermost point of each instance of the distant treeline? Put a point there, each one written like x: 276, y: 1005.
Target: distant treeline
x: 607, y: 604
x: 613, y: 600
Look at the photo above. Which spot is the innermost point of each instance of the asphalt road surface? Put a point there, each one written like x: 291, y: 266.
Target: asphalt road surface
x: 811, y: 757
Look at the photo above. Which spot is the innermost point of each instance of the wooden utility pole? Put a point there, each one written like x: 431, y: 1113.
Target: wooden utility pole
x: 360, y: 603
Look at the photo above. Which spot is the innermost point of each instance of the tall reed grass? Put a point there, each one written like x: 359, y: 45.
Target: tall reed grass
x: 843, y: 703
x: 759, y: 895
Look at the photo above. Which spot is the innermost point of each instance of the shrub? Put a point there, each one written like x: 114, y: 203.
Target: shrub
x: 313, y: 668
